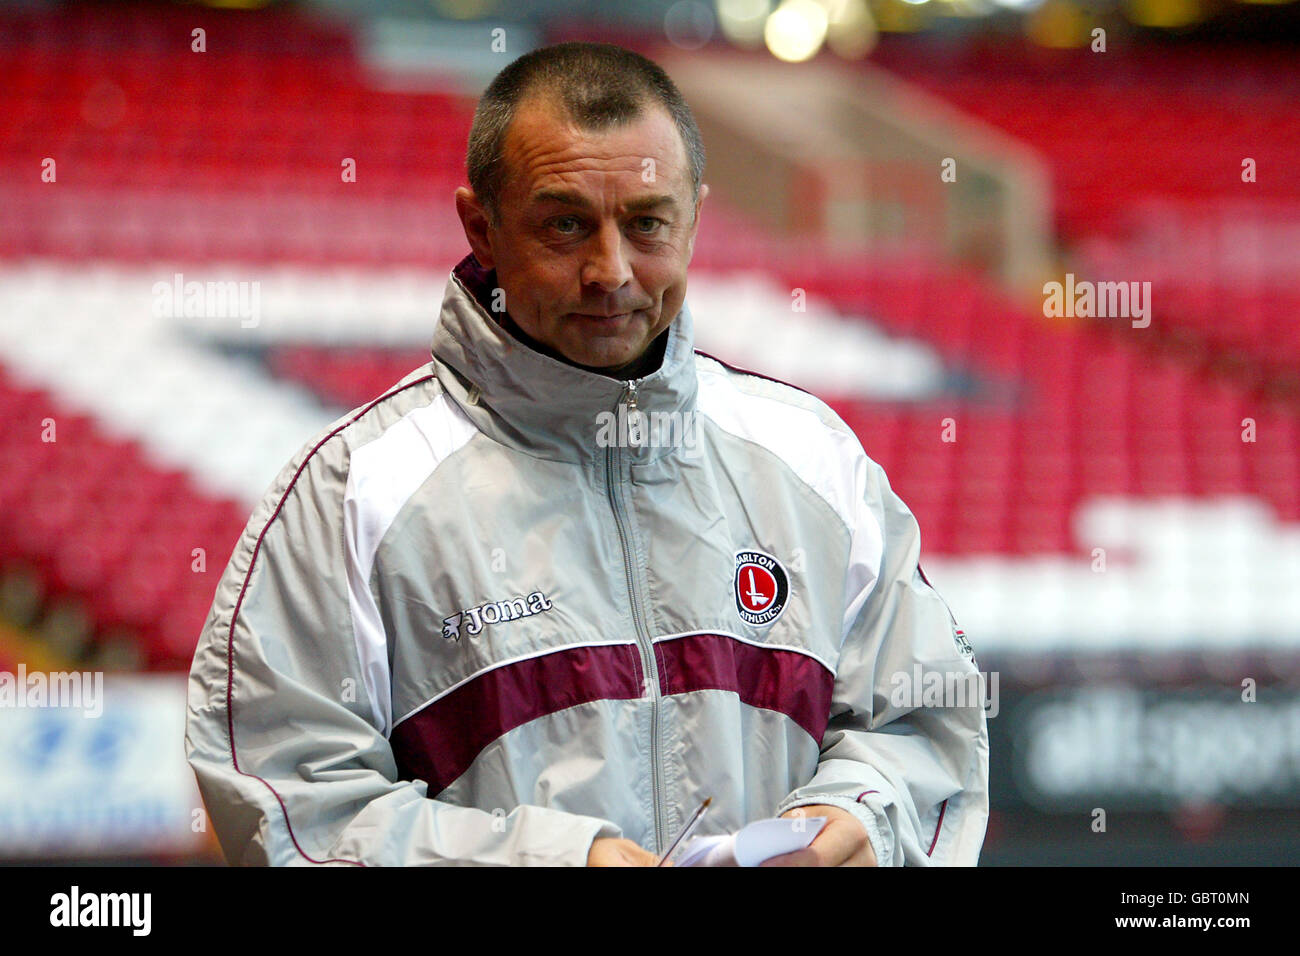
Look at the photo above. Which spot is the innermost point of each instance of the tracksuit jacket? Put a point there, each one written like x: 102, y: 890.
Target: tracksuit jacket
x: 512, y: 606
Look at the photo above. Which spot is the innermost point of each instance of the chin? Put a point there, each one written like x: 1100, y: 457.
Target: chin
x: 611, y: 355
x: 605, y: 360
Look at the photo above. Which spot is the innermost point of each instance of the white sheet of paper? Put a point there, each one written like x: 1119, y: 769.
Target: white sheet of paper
x: 761, y: 840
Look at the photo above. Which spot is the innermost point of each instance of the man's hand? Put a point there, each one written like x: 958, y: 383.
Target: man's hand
x: 617, y: 851
x: 842, y: 842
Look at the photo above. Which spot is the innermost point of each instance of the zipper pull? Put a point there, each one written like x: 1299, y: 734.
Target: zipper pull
x: 635, y: 433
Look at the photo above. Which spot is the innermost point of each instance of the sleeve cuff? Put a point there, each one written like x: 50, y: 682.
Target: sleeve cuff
x: 593, y: 831
x: 868, y: 809
x: 558, y: 838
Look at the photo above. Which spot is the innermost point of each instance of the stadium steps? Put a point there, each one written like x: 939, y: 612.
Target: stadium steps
x: 105, y: 527
x: 1146, y: 148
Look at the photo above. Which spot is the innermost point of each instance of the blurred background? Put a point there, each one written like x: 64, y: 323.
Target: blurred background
x: 1109, y: 503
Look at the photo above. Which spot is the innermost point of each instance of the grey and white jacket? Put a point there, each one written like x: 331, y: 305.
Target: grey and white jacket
x: 512, y: 606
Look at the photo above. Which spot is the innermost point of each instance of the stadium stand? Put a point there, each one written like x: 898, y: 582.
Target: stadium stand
x: 164, y: 160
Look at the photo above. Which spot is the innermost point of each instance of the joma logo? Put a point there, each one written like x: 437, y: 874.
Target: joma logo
x: 494, y: 612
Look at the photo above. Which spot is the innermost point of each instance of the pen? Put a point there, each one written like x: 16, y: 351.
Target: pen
x: 686, y: 830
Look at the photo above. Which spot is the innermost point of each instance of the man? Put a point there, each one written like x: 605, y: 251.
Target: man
x: 504, y: 615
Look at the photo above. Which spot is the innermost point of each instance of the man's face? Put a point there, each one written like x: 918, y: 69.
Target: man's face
x: 595, y: 232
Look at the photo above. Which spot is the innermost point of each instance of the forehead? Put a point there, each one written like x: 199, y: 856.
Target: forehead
x: 543, y: 146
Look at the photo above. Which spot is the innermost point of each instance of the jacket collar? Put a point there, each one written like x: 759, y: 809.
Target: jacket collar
x: 539, y: 404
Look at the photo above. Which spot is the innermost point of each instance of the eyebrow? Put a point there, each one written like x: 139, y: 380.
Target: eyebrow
x: 569, y: 197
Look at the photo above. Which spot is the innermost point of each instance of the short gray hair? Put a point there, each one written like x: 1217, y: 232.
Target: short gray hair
x: 599, y: 85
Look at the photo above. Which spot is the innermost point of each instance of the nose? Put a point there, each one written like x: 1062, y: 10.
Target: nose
x: 606, y: 263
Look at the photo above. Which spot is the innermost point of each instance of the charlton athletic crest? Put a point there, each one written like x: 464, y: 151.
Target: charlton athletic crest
x: 762, y: 587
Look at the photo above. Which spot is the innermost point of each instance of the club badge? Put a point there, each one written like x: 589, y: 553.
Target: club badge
x: 762, y: 588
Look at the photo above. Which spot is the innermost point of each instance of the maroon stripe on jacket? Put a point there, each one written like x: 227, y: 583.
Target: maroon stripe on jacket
x: 938, y: 827
x: 438, y: 743
x: 750, y: 371
x: 765, y: 676
x: 441, y: 741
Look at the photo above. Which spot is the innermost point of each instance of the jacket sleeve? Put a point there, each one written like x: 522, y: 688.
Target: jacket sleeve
x: 289, y: 747
x: 910, y: 761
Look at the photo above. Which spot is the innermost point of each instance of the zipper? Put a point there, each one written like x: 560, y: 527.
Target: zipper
x: 634, y: 436
x: 648, y: 665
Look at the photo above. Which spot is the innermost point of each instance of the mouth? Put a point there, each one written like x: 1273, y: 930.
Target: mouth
x: 602, y: 319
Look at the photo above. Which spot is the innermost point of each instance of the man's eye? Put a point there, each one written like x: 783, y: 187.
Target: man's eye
x: 566, y: 225
x: 647, y: 224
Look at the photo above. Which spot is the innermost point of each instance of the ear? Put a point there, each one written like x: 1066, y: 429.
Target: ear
x: 474, y: 220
